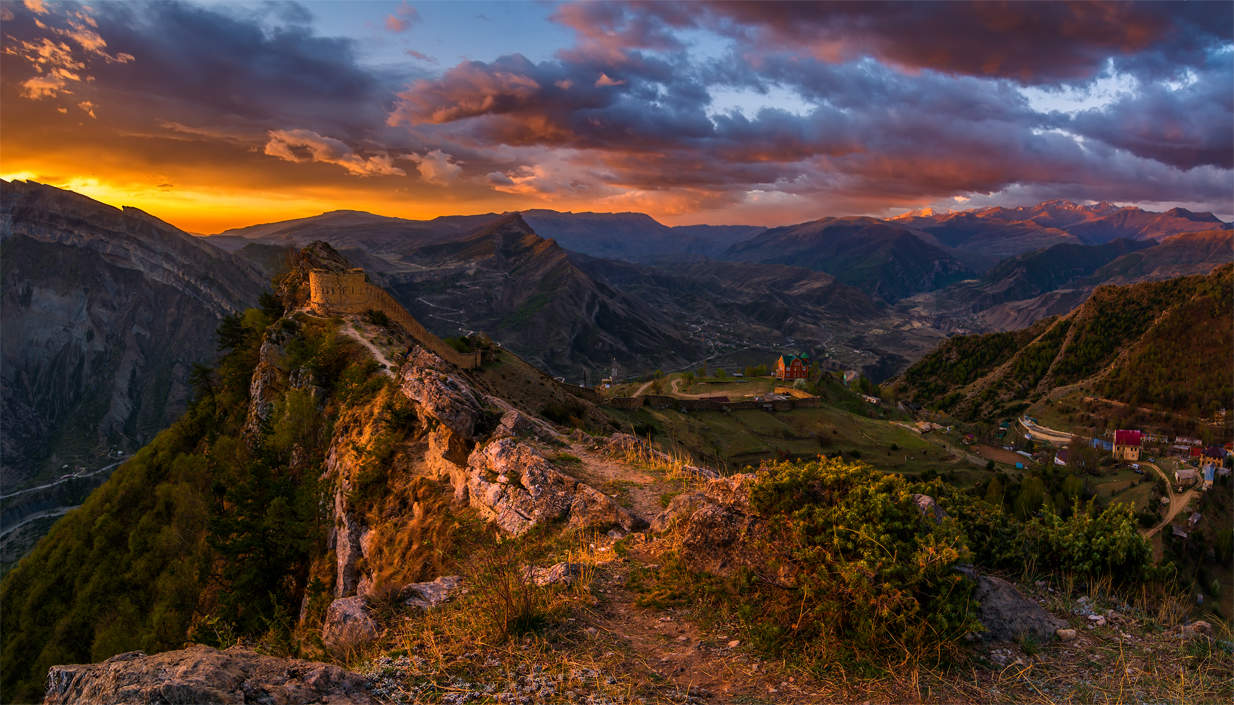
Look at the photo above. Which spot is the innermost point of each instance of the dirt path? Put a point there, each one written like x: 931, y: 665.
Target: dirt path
x: 1178, y: 502
x: 639, y: 392
x: 685, y: 395
x: 640, y: 488
x: 350, y: 331
x: 699, y: 664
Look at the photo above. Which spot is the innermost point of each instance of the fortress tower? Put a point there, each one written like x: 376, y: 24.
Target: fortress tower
x: 339, y: 292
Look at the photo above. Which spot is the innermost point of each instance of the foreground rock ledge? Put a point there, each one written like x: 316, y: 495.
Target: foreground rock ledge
x: 205, y: 676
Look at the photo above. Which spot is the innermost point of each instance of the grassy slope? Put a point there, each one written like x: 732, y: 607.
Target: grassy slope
x: 1001, y: 374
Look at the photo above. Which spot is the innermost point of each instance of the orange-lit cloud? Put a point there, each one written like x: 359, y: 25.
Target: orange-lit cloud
x: 308, y: 146
x: 214, y: 117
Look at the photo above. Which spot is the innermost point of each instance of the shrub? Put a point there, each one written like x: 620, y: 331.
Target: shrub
x: 377, y: 318
x: 843, y: 564
x: 1090, y: 543
x: 511, y: 604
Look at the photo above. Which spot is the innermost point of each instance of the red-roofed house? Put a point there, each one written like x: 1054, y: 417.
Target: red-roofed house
x: 1127, y: 444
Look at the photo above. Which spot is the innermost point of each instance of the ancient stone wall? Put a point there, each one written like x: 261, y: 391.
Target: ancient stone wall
x: 349, y: 293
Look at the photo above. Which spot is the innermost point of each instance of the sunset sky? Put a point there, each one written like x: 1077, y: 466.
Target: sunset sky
x: 214, y: 115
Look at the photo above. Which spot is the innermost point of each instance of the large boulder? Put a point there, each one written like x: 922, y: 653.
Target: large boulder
x: 1008, y: 615
x: 348, y: 624
x: 204, y: 676
x: 515, y: 487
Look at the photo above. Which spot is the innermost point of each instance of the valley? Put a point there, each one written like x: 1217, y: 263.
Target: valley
x: 625, y: 429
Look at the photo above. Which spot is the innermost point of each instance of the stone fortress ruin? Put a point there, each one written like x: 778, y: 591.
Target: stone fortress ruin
x: 350, y: 292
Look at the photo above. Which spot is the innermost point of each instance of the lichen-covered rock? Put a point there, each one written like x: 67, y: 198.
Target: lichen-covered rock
x: 515, y: 487
x: 432, y: 593
x: 681, y: 508
x: 348, y: 623
x: 516, y: 423
x: 205, y: 676
x: 440, y: 394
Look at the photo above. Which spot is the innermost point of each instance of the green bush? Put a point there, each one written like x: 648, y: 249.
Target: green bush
x: 1090, y: 543
x: 843, y: 565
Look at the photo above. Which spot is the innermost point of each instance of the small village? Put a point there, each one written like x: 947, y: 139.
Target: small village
x: 1162, y: 476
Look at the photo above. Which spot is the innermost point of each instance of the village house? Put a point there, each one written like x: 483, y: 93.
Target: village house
x: 1185, y: 477
x: 793, y: 366
x: 1209, y: 472
x: 1127, y: 445
x: 1213, y: 454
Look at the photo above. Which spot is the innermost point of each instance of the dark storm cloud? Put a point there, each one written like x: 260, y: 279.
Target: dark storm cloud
x: 1185, y: 126
x: 226, y: 65
x: 1031, y: 42
x: 871, y: 129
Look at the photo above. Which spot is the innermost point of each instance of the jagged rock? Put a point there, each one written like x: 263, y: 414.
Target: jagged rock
x: 430, y: 594
x: 563, y: 573
x: 929, y: 508
x: 516, y: 423
x: 265, y: 386
x: 441, y: 395
x: 682, y: 507
x: 1007, y: 614
x: 347, y: 542
x: 205, y: 676
x: 348, y: 623
x: 516, y: 488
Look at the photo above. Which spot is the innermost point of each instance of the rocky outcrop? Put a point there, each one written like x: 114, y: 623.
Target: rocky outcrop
x: 516, y: 488
x: 441, y: 395
x: 348, y: 623
x: 205, y: 676
x: 929, y: 508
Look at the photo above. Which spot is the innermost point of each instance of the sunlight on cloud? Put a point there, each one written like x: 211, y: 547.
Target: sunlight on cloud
x: 749, y: 102
x: 1103, y: 91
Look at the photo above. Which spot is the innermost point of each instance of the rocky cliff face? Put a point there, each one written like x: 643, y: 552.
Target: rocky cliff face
x: 105, y: 311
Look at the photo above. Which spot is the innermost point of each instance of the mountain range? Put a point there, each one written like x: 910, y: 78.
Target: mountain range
x: 105, y: 312
x: 98, y: 347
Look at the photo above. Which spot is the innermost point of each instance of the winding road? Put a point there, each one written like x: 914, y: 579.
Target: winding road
x: 1178, y: 502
